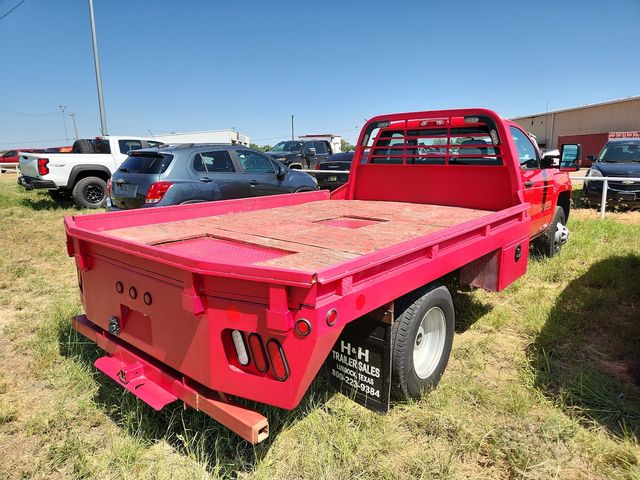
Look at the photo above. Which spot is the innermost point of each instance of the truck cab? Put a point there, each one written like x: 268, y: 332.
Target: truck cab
x: 301, y: 154
x: 81, y: 175
x: 249, y: 298
x: 545, y: 187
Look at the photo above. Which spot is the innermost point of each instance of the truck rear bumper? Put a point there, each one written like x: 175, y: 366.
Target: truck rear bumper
x: 31, y: 182
x: 158, y: 385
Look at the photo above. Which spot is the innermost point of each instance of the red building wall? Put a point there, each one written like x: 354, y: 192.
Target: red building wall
x: 591, y: 143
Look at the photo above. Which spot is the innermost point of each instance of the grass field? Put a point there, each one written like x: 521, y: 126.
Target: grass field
x: 541, y: 382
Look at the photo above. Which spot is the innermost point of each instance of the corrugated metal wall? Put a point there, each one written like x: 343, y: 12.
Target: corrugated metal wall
x: 623, y: 115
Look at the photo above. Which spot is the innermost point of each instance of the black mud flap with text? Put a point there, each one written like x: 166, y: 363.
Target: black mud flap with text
x: 360, y: 362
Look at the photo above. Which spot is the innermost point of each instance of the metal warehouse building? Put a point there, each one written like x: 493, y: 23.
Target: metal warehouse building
x: 590, y: 125
x: 210, y: 136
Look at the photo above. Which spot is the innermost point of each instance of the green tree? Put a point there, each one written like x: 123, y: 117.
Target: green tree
x: 346, y: 146
x: 264, y: 148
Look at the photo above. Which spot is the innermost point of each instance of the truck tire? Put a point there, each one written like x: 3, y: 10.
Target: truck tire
x: 422, y: 335
x: 83, y: 146
x: 550, y: 242
x: 90, y: 192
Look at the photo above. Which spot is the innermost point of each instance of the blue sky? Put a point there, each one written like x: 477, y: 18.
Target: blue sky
x: 199, y: 65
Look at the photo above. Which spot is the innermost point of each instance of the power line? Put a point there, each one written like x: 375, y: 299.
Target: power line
x: 12, y: 9
x: 29, y: 114
x: 29, y: 142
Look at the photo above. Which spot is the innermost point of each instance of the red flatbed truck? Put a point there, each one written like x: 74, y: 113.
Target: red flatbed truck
x: 248, y: 298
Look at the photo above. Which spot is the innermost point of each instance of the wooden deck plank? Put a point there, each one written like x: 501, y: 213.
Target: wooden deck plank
x: 315, y: 233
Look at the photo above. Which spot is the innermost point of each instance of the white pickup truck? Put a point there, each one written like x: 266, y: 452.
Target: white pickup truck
x: 81, y: 176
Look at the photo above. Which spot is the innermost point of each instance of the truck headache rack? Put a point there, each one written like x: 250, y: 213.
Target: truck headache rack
x: 158, y: 385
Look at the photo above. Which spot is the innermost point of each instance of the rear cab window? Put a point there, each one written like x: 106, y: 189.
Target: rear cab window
x: 103, y: 146
x: 153, y: 163
x: 127, y: 146
x: 434, y: 142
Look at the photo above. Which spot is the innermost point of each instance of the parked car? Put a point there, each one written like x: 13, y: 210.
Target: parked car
x: 619, y: 158
x: 250, y: 298
x: 301, y: 154
x: 180, y: 174
x: 12, y: 156
x: 332, y: 180
x: 83, y: 173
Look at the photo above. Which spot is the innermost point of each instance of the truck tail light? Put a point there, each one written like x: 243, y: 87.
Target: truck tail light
x: 157, y: 191
x: 43, y: 169
x: 257, y: 352
x: 109, y: 187
x: 241, y: 349
x: 332, y: 316
x: 278, y: 360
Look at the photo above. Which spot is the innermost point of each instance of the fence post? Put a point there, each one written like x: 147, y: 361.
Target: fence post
x: 603, y: 200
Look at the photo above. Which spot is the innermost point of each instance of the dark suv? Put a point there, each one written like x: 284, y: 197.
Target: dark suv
x: 180, y: 174
x: 618, y: 158
x: 301, y: 154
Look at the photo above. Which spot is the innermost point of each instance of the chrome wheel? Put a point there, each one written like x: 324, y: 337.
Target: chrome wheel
x: 560, y: 237
x: 429, y: 342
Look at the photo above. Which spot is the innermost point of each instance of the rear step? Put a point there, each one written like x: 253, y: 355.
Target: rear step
x: 158, y: 385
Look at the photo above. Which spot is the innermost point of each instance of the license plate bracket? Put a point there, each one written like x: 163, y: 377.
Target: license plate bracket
x: 360, y: 363
x: 129, y: 190
x: 629, y: 197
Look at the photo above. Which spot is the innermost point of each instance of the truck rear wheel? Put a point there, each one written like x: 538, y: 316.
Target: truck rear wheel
x: 422, y: 338
x: 90, y: 192
x: 550, y: 242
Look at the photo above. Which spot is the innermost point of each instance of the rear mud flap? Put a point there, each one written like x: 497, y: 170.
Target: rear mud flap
x: 360, y: 363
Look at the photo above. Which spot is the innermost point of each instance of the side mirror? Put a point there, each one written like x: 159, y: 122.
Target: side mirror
x: 279, y: 170
x: 570, y: 157
x: 311, y: 152
x: 591, y: 158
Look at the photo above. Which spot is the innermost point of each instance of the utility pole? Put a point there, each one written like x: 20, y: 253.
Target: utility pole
x: 64, y: 120
x: 292, y: 135
x: 75, y: 126
x: 96, y: 60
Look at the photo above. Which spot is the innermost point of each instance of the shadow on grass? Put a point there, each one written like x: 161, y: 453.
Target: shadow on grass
x: 188, y: 431
x: 45, y: 202
x: 586, y: 356
x: 468, y: 309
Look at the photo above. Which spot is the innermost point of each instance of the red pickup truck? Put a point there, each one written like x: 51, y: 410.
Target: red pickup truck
x: 249, y: 298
